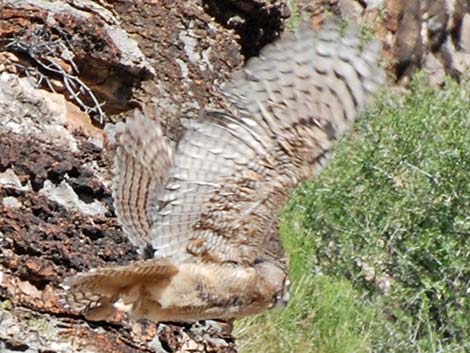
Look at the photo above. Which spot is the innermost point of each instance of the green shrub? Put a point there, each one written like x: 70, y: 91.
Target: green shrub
x: 384, y: 234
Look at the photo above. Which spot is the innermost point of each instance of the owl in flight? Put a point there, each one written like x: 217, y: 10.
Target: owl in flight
x: 205, y: 214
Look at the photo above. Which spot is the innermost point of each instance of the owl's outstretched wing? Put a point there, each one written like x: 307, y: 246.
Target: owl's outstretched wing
x: 142, y: 160
x: 210, y: 211
x: 233, y: 171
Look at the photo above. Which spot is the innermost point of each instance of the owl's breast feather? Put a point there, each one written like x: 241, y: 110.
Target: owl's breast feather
x: 203, y: 291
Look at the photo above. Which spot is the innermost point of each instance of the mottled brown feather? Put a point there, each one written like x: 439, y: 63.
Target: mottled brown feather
x: 233, y: 172
x: 211, y: 209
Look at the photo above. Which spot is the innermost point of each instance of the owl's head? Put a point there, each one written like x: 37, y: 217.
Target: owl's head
x: 278, y: 281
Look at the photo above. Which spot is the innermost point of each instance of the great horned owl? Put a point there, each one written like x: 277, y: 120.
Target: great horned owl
x: 207, y: 210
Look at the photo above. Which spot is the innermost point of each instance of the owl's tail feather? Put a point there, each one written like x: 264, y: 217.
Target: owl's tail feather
x: 142, y: 160
x: 99, y: 293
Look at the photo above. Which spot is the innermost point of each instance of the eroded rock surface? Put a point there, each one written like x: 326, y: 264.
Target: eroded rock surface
x: 416, y: 34
x: 56, y: 212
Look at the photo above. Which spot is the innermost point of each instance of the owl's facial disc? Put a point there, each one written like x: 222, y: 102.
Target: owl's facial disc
x: 277, y: 278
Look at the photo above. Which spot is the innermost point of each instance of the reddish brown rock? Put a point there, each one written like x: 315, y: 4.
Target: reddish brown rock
x: 56, y: 213
x: 416, y: 34
x: 83, y: 47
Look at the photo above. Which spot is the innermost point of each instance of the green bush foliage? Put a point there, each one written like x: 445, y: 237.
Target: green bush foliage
x: 379, y: 242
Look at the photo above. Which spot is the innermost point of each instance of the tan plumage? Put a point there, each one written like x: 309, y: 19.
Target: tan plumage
x: 209, y: 210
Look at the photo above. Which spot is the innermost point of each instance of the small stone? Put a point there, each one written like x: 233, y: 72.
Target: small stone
x: 11, y: 202
x: 9, y: 179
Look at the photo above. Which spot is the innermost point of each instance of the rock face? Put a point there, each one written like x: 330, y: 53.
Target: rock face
x: 68, y: 71
x: 429, y: 34
x: 257, y: 22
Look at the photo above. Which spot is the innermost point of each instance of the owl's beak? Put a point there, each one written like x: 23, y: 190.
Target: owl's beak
x: 282, y: 299
x: 282, y: 302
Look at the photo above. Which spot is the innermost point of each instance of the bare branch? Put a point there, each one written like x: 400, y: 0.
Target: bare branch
x: 43, y: 50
